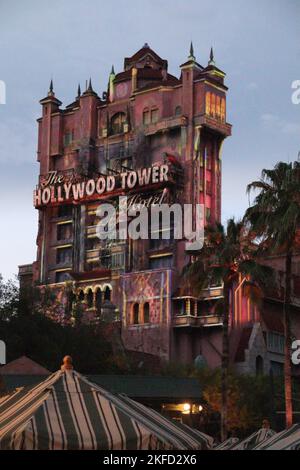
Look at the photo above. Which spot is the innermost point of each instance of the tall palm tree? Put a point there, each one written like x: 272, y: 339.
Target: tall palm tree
x: 224, y: 256
x: 275, y: 219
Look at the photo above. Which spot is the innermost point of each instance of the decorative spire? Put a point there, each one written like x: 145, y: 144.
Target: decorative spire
x: 211, y: 57
x: 78, y: 91
x: 191, y: 56
x: 50, y: 92
x: 112, y: 70
x: 90, y: 88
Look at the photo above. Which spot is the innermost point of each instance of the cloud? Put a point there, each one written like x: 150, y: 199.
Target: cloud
x: 272, y: 121
x: 252, y: 86
x: 18, y: 141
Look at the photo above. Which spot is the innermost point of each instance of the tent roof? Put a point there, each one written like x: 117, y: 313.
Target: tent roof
x: 289, y: 439
x: 66, y: 411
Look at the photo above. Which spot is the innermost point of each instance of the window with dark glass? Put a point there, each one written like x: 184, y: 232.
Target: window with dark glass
x: 98, y: 299
x: 146, y: 312
x: 161, y: 262
x: 64, y: 231
x: 135, y: 314
x: 64, y: 255
x: 62, y: 276
x: 65, y: 211
x: 107, y: 293
x: 117, y: 123
x: 90, y: 298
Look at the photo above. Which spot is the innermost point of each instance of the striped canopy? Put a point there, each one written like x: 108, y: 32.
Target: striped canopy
x: 228, y: 444
x: 256, y: 438
x: 289, y: 439
x: 66, y: 411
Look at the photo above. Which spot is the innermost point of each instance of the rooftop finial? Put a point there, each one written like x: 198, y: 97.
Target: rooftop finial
x: 191, y: 56
x: 78, y: 91
x: 90, y: 88
x: 211, y: 57
x: 67, y: 363
x: 51, y: 87
x: 146, y: 45
x: 112, y: 70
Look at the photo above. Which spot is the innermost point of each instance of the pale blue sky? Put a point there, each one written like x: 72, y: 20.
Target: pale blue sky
x: 257, y: 43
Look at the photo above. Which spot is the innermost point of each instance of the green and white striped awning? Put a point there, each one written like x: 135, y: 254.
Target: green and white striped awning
x: 256, y: 438
x: 289, y: 439
x: 228, y: 444
x: 66, y: 411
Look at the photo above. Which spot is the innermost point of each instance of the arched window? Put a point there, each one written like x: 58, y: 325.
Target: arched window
x: 135, y: 314
x: 98, y: 299
x: 71, y: 301
x: 81, y: 296
x: 178, y: 111
x: 117, y: 123
x: 259, y: 364
x: 89, y: 298
x: 146, y: 312
x: 107, y: 293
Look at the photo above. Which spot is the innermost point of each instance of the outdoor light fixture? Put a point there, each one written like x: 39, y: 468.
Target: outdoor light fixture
x: 186, y: 408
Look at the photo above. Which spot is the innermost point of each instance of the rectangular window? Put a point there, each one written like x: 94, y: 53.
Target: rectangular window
x: 62, y: 276
x: 275, y: 342
x: 64, y: 255
x: 163, y: 262
x: 65, y: 211
x: 146, y: 118
x: 68, y: 138
x: 64, y: 231
x: 208, y: 214
x: 154, y: 116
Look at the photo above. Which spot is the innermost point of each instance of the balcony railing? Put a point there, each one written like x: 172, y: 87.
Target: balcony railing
x: 197, y: 322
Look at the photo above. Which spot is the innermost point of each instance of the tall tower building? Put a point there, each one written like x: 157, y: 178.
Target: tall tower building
x: 148, y: 122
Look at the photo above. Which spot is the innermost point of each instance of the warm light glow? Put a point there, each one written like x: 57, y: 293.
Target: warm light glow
x: 186, y: 407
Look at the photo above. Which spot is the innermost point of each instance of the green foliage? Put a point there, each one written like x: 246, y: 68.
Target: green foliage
x: 274, y: 216
x: 26, y: 330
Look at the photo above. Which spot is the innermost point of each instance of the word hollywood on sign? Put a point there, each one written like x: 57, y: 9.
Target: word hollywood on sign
x: 55, y: 189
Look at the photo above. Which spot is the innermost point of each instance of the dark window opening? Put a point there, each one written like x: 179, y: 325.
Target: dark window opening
x: 146, y: 313
x: 107, y: 294
x: 135, y: 316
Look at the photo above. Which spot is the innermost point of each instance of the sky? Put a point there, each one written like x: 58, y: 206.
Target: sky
x: 257, y: 44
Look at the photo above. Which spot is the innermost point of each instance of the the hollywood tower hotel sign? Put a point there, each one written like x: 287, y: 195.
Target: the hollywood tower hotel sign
x: 150, y: 136
x: 57, y: 188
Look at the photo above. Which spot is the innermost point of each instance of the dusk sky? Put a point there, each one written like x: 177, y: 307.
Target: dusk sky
x: 257, y: 44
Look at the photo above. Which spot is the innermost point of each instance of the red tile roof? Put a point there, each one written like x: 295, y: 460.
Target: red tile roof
x: 23, y: 366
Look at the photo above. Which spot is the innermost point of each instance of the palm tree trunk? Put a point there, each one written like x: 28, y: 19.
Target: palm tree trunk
x: 225, y: 365
x: 287, y: 341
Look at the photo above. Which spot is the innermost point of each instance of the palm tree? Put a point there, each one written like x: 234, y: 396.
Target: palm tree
x: 224, y: 256
x: 275, y: 219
